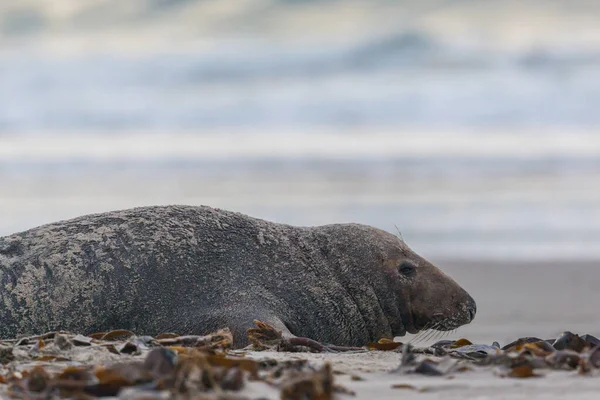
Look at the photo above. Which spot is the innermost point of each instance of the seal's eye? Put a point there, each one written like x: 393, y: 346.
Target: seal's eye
x: 408, y: 269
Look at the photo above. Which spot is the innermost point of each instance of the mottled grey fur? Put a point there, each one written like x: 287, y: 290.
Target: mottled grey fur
x: 192, y: 270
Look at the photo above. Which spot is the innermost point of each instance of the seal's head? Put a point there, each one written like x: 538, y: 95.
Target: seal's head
x: 435, y: 301
x: 426, y: 297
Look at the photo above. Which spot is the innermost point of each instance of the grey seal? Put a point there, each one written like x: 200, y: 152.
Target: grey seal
x: 193, y: 270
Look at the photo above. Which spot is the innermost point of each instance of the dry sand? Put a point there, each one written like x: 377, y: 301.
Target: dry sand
x: 482, y: 383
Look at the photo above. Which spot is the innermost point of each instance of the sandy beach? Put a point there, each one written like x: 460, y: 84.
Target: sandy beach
x: 356, y: 375
x: 481, y: 383
x: 470, y: 129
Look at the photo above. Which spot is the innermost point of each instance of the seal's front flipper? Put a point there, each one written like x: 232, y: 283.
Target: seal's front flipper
x: 265, y: 335
x: 268, y: 334
x: 251, y: 327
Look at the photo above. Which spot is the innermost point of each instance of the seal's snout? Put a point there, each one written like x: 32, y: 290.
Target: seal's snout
x: 471, y: 308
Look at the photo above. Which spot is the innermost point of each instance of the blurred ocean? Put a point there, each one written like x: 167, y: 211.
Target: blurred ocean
x: 472, y: 126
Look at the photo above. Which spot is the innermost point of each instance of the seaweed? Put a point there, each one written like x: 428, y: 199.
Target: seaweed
x: 121, y: 363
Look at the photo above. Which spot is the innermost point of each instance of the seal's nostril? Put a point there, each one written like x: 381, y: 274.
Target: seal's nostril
x: 472, y: 308
x: 471, y: 314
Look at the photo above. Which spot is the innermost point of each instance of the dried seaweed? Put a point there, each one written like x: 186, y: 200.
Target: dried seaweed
x: 145, y: 367
x: 119, y: 363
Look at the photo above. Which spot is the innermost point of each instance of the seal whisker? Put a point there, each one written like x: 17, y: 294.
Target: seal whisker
x: 431, y: 332
x: 440, y: 327
x: 399, y: 233
x: 417, y: 338
x: 427, y: 326
x: 426, y: 336
x: 434, y: 335
x: 438, y: 335
x: 423, y: 332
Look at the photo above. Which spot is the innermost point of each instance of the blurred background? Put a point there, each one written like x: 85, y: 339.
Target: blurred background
x: 472, y: 126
